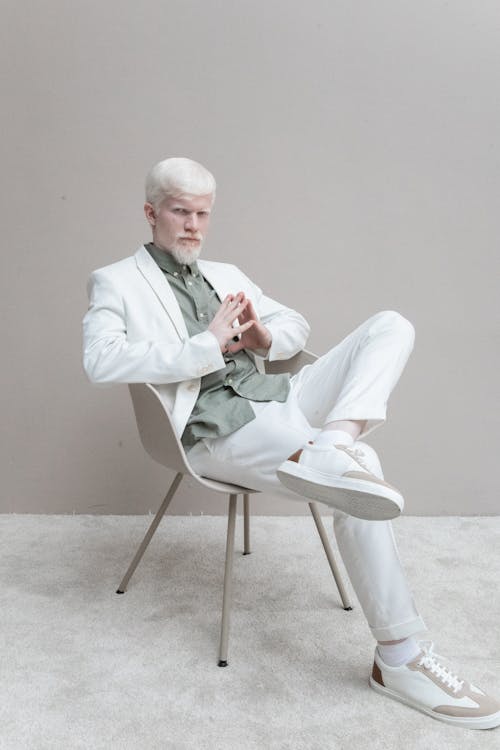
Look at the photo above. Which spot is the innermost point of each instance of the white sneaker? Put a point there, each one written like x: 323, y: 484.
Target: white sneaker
x: 367, y: 457
x: 339, y: 476
x: 428, y: 685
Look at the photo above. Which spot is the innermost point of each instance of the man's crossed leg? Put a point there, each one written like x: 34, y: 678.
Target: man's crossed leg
x: 340, y: 397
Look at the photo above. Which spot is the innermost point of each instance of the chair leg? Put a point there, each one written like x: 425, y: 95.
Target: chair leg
x: 228, y: 575
x: 246, y: 524
x: 156, y: 520
x: 329, y: 553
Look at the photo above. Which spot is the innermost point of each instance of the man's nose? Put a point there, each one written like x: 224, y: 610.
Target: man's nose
x: 192, y: 221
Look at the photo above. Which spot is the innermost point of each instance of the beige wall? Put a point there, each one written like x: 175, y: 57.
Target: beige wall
x: 356, y: 150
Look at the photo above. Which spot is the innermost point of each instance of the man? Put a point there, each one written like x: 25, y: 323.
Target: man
x: 195, y: 330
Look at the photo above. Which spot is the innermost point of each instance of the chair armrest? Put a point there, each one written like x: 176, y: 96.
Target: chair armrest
x: 292, y: 365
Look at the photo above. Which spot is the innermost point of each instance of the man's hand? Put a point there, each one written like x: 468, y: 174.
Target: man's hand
x: 253, y: 334
x: 222, y: 323
x: 256, y: 336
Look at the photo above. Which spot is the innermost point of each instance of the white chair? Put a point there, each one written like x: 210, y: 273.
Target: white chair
x: 160, y: 440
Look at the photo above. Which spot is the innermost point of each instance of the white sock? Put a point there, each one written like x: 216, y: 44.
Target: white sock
x: 399, y: 653
x: 333, y: 437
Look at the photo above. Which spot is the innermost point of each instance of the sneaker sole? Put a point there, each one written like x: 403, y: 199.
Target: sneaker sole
x: 483, y: 722
x: 357, y: 497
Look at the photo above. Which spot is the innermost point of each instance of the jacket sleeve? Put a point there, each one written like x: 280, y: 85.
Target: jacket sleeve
x: 109, y: 357
x: 288, y: 328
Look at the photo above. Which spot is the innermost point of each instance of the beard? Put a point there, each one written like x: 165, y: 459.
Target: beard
x: 184, y: 254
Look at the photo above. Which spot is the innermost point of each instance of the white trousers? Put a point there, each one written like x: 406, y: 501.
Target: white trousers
x: 351, y: 381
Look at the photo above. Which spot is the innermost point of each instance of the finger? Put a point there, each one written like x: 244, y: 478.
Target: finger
x: 241, y: 307
x: 232, y: 314
x: 251, y: 309
x: 236, y: 300
x: 244, y: 316
x: 224, y: 306
x: 250, y: 312
x: 244, y: 327
x: 235, y: 348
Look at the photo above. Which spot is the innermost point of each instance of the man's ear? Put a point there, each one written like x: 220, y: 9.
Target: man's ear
x: 150, y: 214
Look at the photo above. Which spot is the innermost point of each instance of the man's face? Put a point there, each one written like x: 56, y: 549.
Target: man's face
x: 180, y: 225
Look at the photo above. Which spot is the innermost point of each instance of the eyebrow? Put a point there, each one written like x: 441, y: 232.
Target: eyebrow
x: 200, y: 210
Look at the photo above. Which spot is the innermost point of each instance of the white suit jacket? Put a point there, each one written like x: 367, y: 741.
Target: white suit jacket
x: 134, y: 330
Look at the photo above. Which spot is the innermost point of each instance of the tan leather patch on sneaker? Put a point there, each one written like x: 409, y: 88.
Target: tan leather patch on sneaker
x: 369, y: 478
x: 487, y: 706
x: 377, y: 674
x: 295, y: 456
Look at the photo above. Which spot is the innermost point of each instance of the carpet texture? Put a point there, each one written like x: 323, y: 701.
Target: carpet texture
x: 83, y: 667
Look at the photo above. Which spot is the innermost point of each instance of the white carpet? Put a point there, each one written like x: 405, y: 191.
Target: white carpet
x: 83, y: 667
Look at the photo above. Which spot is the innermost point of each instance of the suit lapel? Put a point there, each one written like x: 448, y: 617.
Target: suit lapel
x: 155, y: 277
x: 220, y: 282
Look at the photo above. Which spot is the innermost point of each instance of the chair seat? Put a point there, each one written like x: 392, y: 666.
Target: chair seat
x: 232, y: 489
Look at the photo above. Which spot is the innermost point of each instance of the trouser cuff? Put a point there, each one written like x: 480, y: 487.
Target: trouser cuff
x: 401, y: 630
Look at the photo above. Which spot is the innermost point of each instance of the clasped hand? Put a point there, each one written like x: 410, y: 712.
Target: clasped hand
x: 254, y: 335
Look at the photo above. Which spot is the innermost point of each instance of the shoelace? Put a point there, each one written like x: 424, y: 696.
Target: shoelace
x: 357, y: 454
x: 430, y: 661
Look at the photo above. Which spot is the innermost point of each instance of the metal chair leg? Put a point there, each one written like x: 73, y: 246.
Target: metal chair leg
x: 246, y: 524
x: 329, y: 553
x: 228, y: 575
x: 156, y: 520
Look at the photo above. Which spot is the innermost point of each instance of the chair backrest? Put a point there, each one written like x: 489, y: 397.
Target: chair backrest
x: 156, y: 430
x: 154, y: 423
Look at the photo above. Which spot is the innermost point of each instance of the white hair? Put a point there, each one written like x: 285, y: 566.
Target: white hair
x: 175, y: 177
